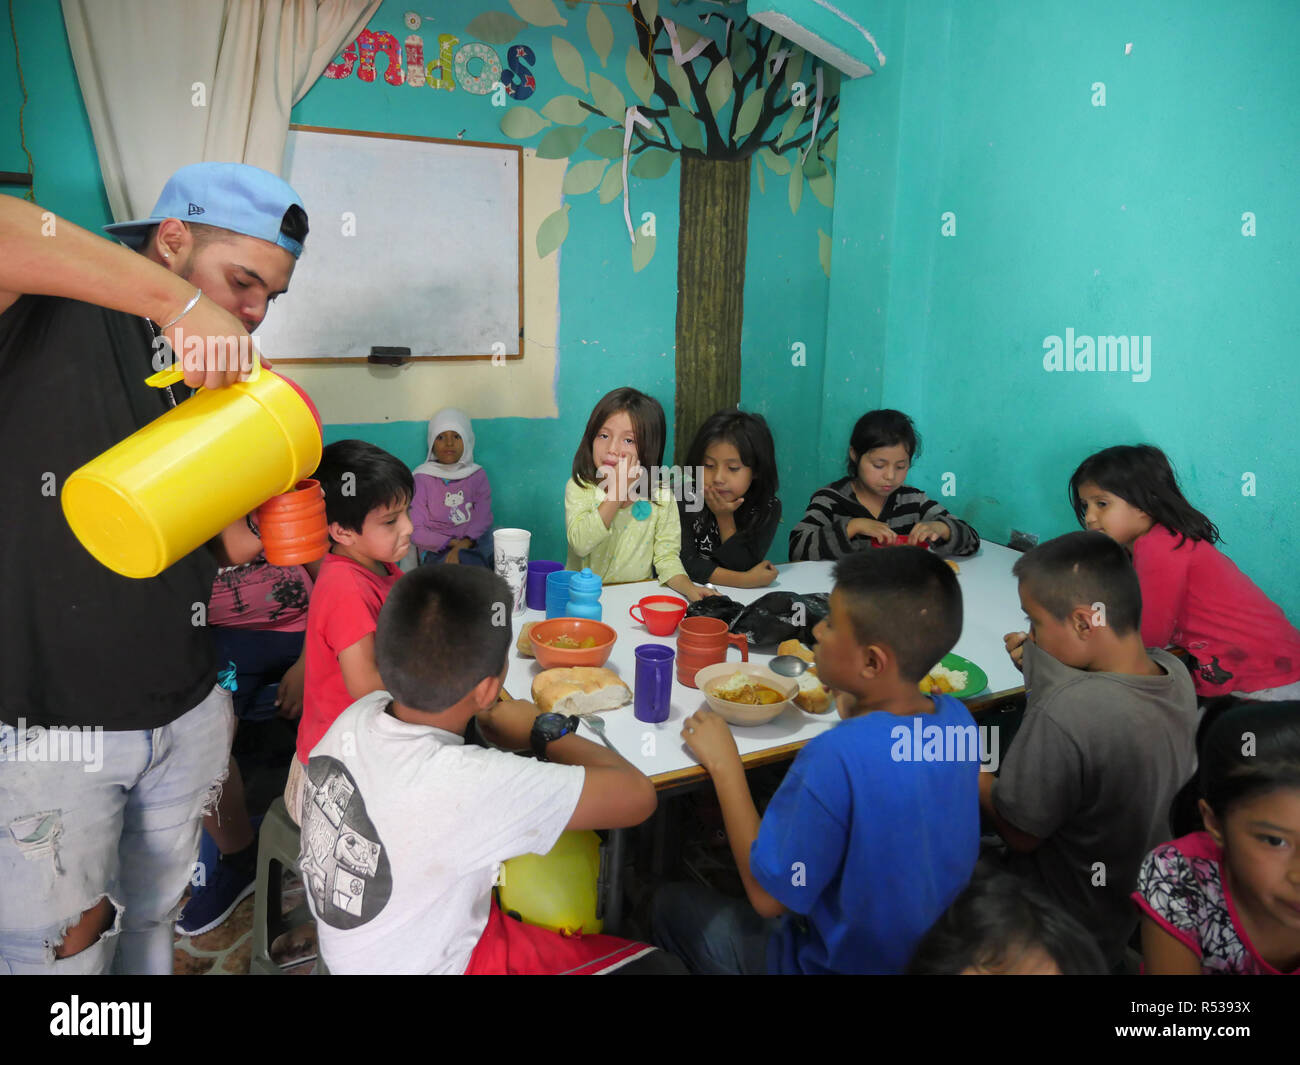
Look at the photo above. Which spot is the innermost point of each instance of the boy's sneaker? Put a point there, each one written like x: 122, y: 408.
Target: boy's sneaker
x: 227, y: 885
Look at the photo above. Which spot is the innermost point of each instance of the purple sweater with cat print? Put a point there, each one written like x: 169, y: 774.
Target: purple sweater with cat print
x: 448, y: 510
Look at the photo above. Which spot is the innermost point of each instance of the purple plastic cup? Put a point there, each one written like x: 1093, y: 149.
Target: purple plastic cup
x: 654, y: 682
x: 537, y: 574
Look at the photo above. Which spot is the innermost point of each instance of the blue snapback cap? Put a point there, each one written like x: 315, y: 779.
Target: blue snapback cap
x: 235, y: 196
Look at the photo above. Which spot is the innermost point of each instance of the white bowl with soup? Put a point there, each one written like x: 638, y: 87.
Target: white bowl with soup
x: 745, y: 693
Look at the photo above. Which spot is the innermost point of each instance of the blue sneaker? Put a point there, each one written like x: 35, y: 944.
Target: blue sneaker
x: 211, y: 903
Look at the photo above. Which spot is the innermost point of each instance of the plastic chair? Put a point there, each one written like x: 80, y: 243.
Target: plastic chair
x: 277, y: 849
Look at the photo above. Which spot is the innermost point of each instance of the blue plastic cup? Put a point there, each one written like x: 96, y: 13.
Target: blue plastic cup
x: 557, y: 593
x: 654, y: 682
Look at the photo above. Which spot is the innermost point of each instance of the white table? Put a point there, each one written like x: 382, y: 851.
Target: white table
x: 991, y: 608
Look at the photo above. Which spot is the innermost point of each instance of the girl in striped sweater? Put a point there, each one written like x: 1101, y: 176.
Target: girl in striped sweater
x: 872, y: 504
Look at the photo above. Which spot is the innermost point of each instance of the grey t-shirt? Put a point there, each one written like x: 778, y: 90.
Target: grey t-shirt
x: 1092, y: 772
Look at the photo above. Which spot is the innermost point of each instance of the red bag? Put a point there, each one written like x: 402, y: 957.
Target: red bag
x: 512, y: 948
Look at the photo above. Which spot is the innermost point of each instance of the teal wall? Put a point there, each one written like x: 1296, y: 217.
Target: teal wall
x: 1123, y: 219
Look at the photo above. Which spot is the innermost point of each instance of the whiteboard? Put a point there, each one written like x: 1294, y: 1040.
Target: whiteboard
x: 413, y: 242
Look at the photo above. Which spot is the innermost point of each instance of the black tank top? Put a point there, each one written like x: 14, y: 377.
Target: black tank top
x: 79, y: 644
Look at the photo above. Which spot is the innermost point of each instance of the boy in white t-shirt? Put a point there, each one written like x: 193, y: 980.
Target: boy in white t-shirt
x: 404, y: 825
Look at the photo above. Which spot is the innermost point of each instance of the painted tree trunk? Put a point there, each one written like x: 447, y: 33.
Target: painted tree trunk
x: 711, y: 241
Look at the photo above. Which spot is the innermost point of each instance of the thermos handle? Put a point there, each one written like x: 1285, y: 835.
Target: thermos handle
x: 164, y: 378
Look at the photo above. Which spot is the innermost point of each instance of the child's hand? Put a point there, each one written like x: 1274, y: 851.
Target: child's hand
x: 618, y: 481
x: 452, y: 557
x: 926, y: 531
x: 718, y: 505
x: 1015, y: 642
x: 288, y: 697
x: 710, y: 740
x: 508, y: 724
x: 877, y: 530
x: 762, y: 575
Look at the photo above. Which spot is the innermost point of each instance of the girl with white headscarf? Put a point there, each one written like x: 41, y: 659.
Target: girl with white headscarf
x: 452, y: 508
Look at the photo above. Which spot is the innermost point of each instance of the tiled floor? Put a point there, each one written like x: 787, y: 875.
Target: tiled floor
x: 226, y: 949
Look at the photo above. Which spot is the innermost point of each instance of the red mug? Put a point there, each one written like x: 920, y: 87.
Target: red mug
x: 659, y: 613
x: 293, y: 526
x: 702, y: 642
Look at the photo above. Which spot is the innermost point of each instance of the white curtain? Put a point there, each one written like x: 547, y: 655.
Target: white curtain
x: 172, y: 82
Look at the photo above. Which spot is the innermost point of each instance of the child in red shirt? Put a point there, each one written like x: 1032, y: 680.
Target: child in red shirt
x: 367, y: 503
x: 1192, y: 595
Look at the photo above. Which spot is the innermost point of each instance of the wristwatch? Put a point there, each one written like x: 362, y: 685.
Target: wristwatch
x: 550, y: 727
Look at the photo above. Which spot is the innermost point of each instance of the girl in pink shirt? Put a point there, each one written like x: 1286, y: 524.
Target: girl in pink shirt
x: 1227, y: 900
x: 1193, y: 596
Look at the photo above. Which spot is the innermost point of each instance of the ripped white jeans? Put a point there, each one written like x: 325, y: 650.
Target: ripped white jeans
x: 124, y: 825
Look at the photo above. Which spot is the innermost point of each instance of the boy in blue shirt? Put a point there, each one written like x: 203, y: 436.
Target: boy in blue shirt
x: 871, y: 835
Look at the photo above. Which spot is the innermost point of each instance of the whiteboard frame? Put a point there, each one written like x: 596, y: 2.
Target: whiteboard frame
x: 332, y: 360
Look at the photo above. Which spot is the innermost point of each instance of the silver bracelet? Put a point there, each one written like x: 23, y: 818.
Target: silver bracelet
x: 198, y: 294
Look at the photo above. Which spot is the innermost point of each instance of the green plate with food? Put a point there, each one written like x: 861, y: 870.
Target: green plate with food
x: 956, y: 676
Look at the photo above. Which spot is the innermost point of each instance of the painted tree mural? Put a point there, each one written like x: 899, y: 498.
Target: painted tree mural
x: 726, y: 96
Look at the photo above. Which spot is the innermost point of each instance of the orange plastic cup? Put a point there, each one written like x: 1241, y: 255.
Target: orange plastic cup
x: 293, y: 526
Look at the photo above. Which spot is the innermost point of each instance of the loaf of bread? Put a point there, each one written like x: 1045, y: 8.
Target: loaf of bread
x: 813, y: 695
x: 524, y: 645
x: 579, y: 690
x: 955, y: 568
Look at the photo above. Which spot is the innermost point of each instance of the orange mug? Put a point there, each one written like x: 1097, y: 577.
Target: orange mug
x: 702, y: 642
x: 293, y: 526
x: 659, y: 613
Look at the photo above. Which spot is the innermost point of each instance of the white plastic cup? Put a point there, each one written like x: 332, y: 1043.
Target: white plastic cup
x: 510, y: 559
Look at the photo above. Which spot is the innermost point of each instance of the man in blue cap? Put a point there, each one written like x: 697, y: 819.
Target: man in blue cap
x: 94, y: 858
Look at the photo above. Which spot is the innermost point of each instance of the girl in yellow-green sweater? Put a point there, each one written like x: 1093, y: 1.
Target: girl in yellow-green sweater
x: 612, y: 527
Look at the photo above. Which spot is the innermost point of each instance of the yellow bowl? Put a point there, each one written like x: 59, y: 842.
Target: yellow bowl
x: 738, y: 713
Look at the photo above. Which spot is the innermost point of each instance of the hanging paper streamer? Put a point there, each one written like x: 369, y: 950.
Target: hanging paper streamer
x: 632, y: 115
x: 679, y: 57
x: 817, y: 114
x: 778, y: 60
x: 490, y: 73
x: 368, y: 44
x: 414, y: 48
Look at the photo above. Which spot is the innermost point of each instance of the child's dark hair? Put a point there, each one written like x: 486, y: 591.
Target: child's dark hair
x: 1247, y: 748
x: 441, y: 631
x: 1082, y: 569
x: 752, y: 439
x: 648, y: 426
x: 904, y: 598
x: 882, y: 428
x: 995, y: 921
x: 1142, y: 476
x: 357, y: 477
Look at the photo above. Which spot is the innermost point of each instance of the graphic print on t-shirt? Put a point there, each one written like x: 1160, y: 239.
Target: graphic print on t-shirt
x: 453, y: 502
x: 343, y: 861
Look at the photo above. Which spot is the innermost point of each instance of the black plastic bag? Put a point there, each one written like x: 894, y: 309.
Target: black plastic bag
x: 779, y: 616
x: 715, y: 606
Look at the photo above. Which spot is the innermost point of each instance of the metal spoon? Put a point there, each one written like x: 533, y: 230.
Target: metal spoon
x: 593, y: 722
x: 788, y: 665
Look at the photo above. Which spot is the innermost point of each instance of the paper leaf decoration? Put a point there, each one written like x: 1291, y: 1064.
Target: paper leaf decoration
x: 566, y: 111
x: 719, y: 87
x: 612, y: 186
x: 600, y: 32
x: 569, y: 63
x: 539, y: 12
x: 823, y: 187
x: 642, y: 252
x: 560, y: 142
x: 495, y: 27
x: 796, y: 189
x: 831, y: 146
x: 749, y: 112
x: 552, y: 231
x: 639, y: 75
x: 607, y: 143
x: 649, y: 11
x: 687, y: 128
x: 522, y: 122
x: 791, y: 124
x: 583, y: 177
x: 760, y: 170
x: 824, y: 251
x: 778, y: 164
x: 813, y: 167
x: 608, y: 97
x: 682, y: 87
x: 742, y: 56
x: 653, y: 164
